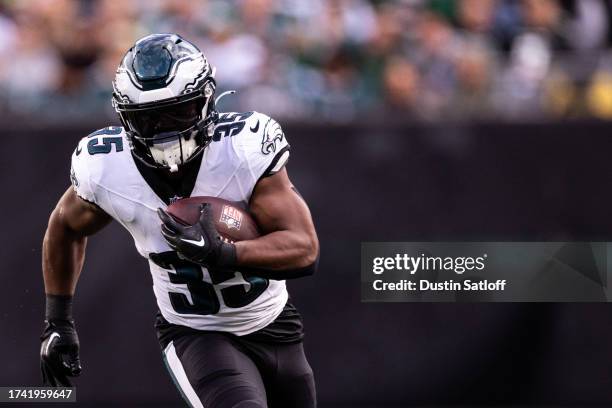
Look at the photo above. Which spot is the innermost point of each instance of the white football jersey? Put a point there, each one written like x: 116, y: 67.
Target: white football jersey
x: 245, y: 147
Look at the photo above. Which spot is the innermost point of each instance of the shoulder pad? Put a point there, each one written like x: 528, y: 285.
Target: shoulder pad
x: 264, y: 145
x: 89, y: 159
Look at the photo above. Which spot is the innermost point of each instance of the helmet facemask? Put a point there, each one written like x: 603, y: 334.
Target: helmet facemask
x: 173, y: 133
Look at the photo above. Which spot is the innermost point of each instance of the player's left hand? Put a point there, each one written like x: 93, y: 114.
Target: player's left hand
x: 199, y: 243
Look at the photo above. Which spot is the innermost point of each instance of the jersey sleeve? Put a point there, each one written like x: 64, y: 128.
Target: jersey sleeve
x: 80, y: 173
x: 266, y: 150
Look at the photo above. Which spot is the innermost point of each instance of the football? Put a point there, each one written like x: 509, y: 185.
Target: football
x: 233, y: 222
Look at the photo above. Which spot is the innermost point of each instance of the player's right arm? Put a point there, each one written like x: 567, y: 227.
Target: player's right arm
x: 72, y: 220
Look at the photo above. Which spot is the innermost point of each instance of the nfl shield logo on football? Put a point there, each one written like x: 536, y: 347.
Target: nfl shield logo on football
x: 231, y: 217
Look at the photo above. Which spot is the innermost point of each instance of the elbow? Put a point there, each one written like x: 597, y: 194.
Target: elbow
x: 310, y: 254
x: 308, y: 265
x: 312, y: 267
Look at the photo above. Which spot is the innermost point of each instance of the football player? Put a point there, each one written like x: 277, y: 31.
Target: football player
x: 230, y: 336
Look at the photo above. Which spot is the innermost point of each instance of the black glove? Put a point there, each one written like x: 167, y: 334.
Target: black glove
x: 59, y: 353
x: 199, y: 243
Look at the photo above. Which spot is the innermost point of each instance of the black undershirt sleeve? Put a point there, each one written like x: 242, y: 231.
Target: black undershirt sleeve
x: 283, y: 274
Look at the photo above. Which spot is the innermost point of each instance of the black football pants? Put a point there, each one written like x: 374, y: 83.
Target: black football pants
x: 219, y: 370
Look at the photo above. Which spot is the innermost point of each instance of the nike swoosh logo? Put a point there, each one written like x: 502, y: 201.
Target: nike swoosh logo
x: 199, y: 243
x: 256, y: 128
x: 53, y: 336
x: 78, y: 150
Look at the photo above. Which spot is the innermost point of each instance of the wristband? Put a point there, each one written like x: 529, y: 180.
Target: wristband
x: 227, y: 255
x: 58, y: 307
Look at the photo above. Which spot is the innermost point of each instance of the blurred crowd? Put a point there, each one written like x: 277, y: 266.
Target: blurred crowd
x: 334, y: 60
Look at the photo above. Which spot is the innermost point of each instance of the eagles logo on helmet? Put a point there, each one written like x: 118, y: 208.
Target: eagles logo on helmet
x: 164, y: 94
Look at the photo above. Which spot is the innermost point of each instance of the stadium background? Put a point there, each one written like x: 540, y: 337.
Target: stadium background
x: 409, y: 120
